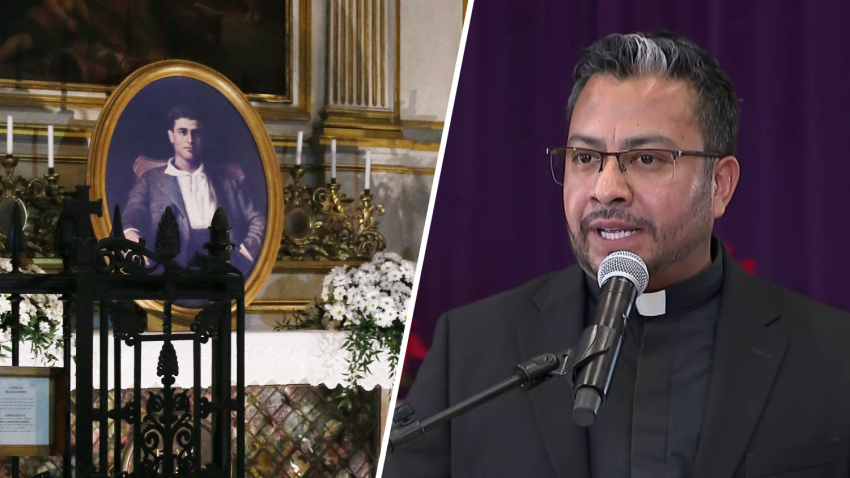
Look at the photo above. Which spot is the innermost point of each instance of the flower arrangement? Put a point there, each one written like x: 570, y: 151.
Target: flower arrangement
x: 371, y: 303
x: 40, y: 321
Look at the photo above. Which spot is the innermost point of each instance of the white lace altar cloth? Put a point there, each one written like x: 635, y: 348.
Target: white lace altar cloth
x: 314, y: 357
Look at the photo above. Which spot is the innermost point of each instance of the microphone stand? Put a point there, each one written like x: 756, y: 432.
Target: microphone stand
x: 527, y: 375
x: 594, y: 341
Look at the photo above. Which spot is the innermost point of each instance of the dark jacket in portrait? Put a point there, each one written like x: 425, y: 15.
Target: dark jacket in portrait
x: 778, y: 403
x: 155, y: 190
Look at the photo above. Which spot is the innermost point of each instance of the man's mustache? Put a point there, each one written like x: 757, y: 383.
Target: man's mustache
x: 618, y: 214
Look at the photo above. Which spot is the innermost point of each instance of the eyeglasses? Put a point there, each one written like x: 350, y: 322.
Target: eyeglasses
x: 642, y: 166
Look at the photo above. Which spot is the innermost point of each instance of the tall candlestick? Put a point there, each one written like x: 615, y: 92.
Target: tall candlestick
x: 333, y: 160
x: 50, y: 147
x: 368, y: 167
x: 9, y: 134
x: 298, y: 150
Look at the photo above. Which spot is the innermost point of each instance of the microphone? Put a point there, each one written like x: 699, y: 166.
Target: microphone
x: 622, y: 277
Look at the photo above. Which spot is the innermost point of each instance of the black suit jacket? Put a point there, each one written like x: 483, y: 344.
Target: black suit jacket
x: 155, y: 191
x: 778, y: 404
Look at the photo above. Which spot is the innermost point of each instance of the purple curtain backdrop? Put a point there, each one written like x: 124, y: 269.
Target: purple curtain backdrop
x: 498, y: 219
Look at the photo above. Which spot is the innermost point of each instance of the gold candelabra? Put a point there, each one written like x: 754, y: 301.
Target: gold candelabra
x: 40, y: 203
x: 318, y: 223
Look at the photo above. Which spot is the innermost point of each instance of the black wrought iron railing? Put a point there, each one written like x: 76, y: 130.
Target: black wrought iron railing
x: 113, y: 273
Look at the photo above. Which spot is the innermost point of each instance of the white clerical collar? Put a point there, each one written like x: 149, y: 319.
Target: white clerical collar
x: 652, y: 304
x: 680, y: 297
x: 172, y: 170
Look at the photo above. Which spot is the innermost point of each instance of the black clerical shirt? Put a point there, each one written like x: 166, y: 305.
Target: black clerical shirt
x: 650, y: 425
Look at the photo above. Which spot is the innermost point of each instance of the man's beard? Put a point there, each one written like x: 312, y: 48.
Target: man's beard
x: 672, y: 243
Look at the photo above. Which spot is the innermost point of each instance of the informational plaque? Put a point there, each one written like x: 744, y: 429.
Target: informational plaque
x: 30, y: 398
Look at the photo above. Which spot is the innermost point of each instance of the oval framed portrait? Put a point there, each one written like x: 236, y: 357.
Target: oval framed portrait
x: 178, y: 134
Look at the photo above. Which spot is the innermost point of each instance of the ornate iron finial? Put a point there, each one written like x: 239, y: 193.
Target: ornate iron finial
x: 16, y: 241
x: 167, y: 366
x: 82, y: 209
x: 117, y: 226
x: 125, y: 324
x: 167, y: 236
x: 220, y: 245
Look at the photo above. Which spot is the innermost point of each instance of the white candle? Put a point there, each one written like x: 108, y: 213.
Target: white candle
x: 9, y: 134
x: 298, y: 150
x: 333, y: 159
x: 50, y: 146
x: 368, y: 167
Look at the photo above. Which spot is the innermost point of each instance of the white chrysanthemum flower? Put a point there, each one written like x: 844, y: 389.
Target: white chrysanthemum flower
x: 368, y: 267
x: 44, y: 326
x: 384, y: 319
x: 326, y: 294
x: 335, y: 274
x: 391, y: 309
x: 6, y: 264
x: 27, y: 309
x: 327, y: 281
x: 395, y: 275
x: 372, y: 294
x: 339, y: 293
x: 387, y: 302
x: 357, y: 301
x: 393, y: 257
x: 5, y: 304
x: 54, y: 309
x: 401, y: 290
x: 374, y: 306
x: 408, y: 269
x: 337, y: 312
x: 388, y: 266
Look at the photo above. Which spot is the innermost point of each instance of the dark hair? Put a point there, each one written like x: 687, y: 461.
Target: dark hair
x: 666, y: 55
x: 180, y: 111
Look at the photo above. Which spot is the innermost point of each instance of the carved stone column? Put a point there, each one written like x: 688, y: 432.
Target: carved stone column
x: 363, y: 70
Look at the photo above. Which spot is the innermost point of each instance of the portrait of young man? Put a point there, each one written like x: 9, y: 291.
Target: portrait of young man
x: 721, y: 374
x: 194, y: 188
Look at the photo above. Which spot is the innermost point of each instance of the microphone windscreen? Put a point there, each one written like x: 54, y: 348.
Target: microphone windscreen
x: 624, y: 264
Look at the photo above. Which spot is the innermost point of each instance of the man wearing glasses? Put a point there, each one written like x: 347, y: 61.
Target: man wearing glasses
x: 720, y: 375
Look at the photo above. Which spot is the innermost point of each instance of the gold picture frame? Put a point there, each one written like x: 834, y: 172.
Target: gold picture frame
x: 26, y: 93
x: 102, y: 138
x: 58, y: 406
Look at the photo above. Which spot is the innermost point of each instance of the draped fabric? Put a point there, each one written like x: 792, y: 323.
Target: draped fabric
x: 498, y: 219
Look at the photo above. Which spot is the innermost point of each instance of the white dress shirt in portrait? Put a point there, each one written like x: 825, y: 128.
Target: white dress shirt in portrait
x: 198, y: 197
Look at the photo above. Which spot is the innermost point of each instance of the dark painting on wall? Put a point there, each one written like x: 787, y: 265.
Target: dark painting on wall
x: 101, y: 42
